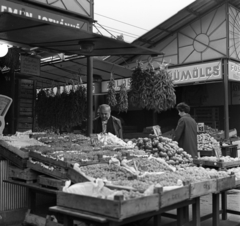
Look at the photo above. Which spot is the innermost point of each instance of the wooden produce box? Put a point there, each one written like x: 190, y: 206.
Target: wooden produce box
x: 43, y: 158
x: 216, y: 164
x: 58, y: 173
x: 20, y: 153
x: 225, y: 183
x: 76, y: 176
x: 25, y: 174
x: 117, y: 208
x: 174, y: 196
x: 203, y: 188
x: 237, y: 183
x: 13, y: 158
x: 51, y: 182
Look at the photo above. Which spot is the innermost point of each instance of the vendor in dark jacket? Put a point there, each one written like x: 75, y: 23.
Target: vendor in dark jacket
x: 186, y: 131
x: 106, y: 123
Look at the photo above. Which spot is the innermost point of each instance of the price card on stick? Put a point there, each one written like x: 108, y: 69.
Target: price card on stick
x: 5, y: 103
x: 218, y: 151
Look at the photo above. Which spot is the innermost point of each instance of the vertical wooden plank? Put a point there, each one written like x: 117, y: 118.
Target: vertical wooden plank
x: 196, y: 212
x: 157, y: 220
x: 215, y: 209
x: 12, y: 108
x: 224, y: 205
x: 180, y: 217
x: 67, y: 220
x: 34, y: 105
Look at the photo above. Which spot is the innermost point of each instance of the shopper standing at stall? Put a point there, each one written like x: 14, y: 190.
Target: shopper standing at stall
x: 106, y: 122
x: 186, y: 131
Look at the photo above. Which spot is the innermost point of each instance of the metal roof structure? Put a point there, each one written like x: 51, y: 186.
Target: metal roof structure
x: 62, y: 72
x: 172, y: 25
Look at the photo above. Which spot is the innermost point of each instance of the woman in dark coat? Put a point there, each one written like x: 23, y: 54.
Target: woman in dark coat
x: 186, y: 131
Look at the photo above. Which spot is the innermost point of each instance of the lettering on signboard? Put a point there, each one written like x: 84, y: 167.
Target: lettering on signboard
x: 202, y: 72
x: 30, y: 12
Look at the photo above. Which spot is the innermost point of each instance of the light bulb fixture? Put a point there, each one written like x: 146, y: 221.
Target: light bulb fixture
x: 3, y: 50
x: 86, y: 46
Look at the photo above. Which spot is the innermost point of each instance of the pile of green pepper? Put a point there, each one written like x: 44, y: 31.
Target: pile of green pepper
x: 111, y: 95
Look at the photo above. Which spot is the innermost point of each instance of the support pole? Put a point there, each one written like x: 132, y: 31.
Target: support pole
x: 226, y: 108
x: 89, y: 95
x: 12, y: 108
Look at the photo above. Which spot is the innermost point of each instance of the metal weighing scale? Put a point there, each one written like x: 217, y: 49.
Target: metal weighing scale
x: 5, y: 103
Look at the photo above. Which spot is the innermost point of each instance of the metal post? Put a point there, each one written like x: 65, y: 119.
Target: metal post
x: 226, y: 109
x: 89, y: 95
x: 12, y: 108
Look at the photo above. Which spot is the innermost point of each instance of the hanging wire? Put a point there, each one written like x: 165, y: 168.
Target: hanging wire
x: 106, y: 30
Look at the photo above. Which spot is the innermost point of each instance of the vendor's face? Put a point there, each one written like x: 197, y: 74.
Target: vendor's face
x: 105, y: 114
x: 181, y: 113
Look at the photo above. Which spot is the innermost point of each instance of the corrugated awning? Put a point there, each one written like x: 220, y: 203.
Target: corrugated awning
x: 30, y: 32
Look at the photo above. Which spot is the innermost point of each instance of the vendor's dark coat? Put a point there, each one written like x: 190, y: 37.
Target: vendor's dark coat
x: 114, y: 126
x: 186, y: 134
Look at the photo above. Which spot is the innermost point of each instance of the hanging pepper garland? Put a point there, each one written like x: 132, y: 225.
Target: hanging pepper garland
x: 57, y: 111
x: 111, y: 95
x: 152, y: 89
x: 123, y: 98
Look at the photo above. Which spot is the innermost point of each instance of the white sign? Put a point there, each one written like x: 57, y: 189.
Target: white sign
x: 118, y: 83
x: 30, y: 65
x: 233, y: 71
x: 197, y: 73
x: 235, y: 93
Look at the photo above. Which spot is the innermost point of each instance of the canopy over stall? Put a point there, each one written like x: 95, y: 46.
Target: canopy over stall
x: 51, y: 39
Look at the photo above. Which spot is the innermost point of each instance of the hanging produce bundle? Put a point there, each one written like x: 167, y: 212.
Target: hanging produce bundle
x: 152, y: 89
x: 57, y: 111
x: 111, y: 95
x: 123, y: 98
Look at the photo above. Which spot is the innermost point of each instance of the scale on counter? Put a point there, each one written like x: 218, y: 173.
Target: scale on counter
x: 5, y: 103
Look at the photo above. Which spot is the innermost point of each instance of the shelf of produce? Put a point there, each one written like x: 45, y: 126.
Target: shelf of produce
x: 116, y: 209
x: 56, y: 173
x: 174, y: 196
x: 216, y: 164
x: 203, y: 188
x: 13, y: 158
x: 47, y: 159
x: 225, y: 183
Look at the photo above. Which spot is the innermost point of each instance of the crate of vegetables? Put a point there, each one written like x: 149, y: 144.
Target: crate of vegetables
x: 118, y: 208
x: 225, y: 183
x: 175, y: 195
x: 203, y: 188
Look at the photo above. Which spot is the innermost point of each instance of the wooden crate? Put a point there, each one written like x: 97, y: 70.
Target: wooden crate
x: 59, y: 174
x: 11, y: 149
x: 76, y: 176
x: 22, y: 174
x: 43, y: 158
x: 216, y: 164
x: 174, y: 196
x: 117, y: 209
x: 51, y: 182
x: 13, y: 158
x: 203, y: 188
x: 225, y: 183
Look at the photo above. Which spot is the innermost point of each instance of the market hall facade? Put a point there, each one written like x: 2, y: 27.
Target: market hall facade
x: 201, y: 45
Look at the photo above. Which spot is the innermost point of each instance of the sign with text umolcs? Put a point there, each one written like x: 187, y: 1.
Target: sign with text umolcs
x: 197, y: 73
